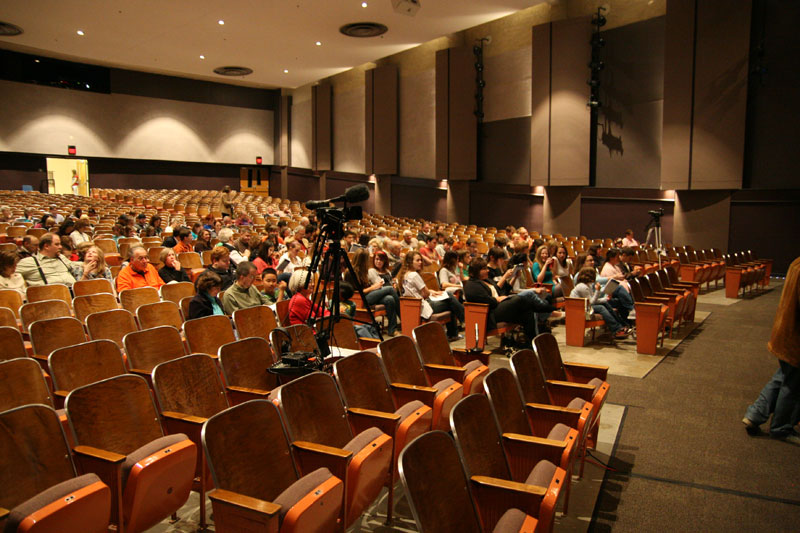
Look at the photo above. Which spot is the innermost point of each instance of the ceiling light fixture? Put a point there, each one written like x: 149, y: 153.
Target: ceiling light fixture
x: 202, y: 57
x: 364, y: 4
x: 318, y: 43
x: 221, y: 22
x: 80, y: 32
x: 286, y: 71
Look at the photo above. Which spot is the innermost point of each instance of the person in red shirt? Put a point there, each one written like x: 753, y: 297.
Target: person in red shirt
x: 300, y: 306
x: 139, y: 272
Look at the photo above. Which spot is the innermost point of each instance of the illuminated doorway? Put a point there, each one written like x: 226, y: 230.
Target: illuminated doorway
x: 67, y: 176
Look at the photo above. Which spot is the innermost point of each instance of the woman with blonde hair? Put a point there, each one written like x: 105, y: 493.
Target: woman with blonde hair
x: 377, y: 289
x: 92, y: 265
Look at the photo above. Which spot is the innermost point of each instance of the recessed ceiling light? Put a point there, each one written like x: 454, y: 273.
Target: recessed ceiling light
x: 36, y: 61
x: 80, y: 32
x: 286, y: 71
x: 221, y: 22
x: 363, y: 4
x: 318, y: 43
x: 202, y: 57
x: 87, y: 86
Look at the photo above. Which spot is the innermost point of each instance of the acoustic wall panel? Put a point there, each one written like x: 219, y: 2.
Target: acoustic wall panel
x: 322, y: 127
x: 456, y: 123
x: 676, y: 134
x: 569, y: 121
x: 381, y: 120
x: 540, y: 105
x: 720, y: 94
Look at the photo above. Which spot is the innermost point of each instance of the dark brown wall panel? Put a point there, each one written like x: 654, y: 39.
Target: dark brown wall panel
x: 463, y: 124
x: 767, y: 226
x: 540, y: 105
x: 678, y: 82
x: 419, y: 202
x: 442, y: 113
x: 303, y: 187
x: 569, y: 121
x: 369, y: 122
x: 322, y: 127
x: 385, y: 126
x: 505, y: 151
x: 610, y: 217
x: 336, y: 187
x: 490, y: 209
x: 720, y: 87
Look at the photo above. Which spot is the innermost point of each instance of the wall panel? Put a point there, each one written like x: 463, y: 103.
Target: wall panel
x: 348, y: 130
x: 417, y: 121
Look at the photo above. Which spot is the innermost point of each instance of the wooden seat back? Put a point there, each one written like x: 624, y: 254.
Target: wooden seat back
x: 313, y: 410
x: 164, y: 313
x: 53, y: 333
x: 35, y: 455
x: 256, y: 321
x: 282, y: 310
x: 131, y: 299
x: 429, y: 468
x: 92, y: 286
x: 190, y: 260
x: 185, y: 303
x: 175, y: 292
x: 116, y: 414
x: 112, y: 325
x: 22, y: 383
x: 256, y: 467
x: 245, y: 362
x: 33, y: 311
x: 363, y: 383
x: 506, y: 400
x: 13, y: 345
x: 478, y: 438
x: 344, y: 335
x: 207, y: 334
x: 54, y: 291
x: 549, y: 354
x: 149, y: 347
x: 432, y: 344
x: 525, y: 367
x: 12, y: 299
x: 7, y: 317
x: 190, y: 385
x: 93, y: 303
x: 399, y: 355
x: 78, y: 365
x: 108, y: 246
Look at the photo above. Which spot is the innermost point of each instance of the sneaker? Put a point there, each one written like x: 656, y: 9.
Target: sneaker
x: 621, y: 334
x: 456, y: 338
x: 750, y: 426
x: 556, y: 315
x: 793, y: 439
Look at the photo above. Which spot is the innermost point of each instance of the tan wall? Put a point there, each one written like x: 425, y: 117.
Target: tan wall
x: 348, y: 129
x: 39, y: 119
x: 300, y: 134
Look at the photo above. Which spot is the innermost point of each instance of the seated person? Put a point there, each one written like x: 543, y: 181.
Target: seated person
x: 628, y: 240
x: 221, y: 265
x: 300, y: 305
x: 377, y: 286
x: 620, y: 299
x: 205, y: 302
x: 413, y: 285
x: 480, y: 288
x: 428, y: 252
x: 47, y: 266
x: 243, y: 294
x: 502, y: 277
x: 172, y: 270
x: 450, y: 275
x: 625, y: 256
x: 274, y: 291
x: 29, y: 246
x: 139, y: 272
x: 184, y: 241
x: 9, y: 277
x: 543, y: 268
x: 587, y: 287
x: 91, y: 263
x: 612, y: 270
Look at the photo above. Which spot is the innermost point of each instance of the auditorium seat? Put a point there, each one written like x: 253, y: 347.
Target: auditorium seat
x: 244, y: 364
x: 207, y: 334
x: 440, y: 362
x: 81, y: 364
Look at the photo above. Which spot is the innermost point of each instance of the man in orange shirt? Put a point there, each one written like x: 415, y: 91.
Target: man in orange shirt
x: 139, y: 272
x: 184, y: 238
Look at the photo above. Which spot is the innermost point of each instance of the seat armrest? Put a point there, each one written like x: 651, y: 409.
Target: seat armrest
x: 256, y: 393
x: 172, y: 415
x: 232, y: 509
x: 463, y: 357
x: 581, y: 370
x: 367, y: 343
x: 4, y: 513
x: 246, y: 502
x: 96, y: 453
x: 525, y: 451
x: 361, y: 419
x: 404, y: 393
x: 437, y: 373
x: 310, y: 456
x: 511, y: 486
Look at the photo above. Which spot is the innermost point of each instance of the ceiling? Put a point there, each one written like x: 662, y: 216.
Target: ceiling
x: 268, y: 36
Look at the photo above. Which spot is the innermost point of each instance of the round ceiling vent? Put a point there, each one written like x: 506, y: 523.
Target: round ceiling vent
x: 363, y: 29
x: 233, y: 71
x: 9, y: 30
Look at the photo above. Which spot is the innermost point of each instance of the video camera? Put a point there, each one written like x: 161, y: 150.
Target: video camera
x: 656, y: 213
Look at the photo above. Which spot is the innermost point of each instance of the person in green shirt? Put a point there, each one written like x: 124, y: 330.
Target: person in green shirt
x: 243, y: 294
x: 274, y: 291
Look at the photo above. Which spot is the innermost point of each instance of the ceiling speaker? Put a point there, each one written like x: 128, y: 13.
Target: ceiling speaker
x: 406, y: 7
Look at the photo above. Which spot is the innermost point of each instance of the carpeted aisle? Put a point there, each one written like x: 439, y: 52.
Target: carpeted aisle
x: 685, y: 461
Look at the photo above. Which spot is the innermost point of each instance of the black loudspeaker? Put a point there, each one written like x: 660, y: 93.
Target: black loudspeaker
x: 249, y: 178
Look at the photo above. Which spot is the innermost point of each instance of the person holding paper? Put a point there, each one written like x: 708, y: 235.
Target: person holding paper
x: 587, y: 287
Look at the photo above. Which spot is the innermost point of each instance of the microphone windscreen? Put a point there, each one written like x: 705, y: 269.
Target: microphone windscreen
x: 356, y: 193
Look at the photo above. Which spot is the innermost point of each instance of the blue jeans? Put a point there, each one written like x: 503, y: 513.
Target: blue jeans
x: 780, y: 397
x: 622, y: 301
x: 609, y: 316
x: 387, y: 297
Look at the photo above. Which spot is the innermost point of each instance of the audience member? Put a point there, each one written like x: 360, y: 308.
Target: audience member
x: 203, y: 243
x: 300, y: 306
x: 780, y: 397
x: 91, y: 264
x: 450, y: 276
x: 612, y: 270
x: 29, y: 246
x: 597, y: 301
x: 563, y: 267
x: 9, y: 277
x: 543, y: 267
x: 184, y: 241
x: 412, y: 284
x: 628, y: 240
x: 221, y: 266
x: 409, y: 243
x: 428, y: 252
x: 274, y: 291
x: 502, y: 278
x: 47, y: 266
x: 243, y: 294
x: 629, y: 272
x: 290, y: 260
x: 139, y: 272
x: 141, y: 223
x: 265, y: 256
x: 79, y: 234
x: 205, y: 301
x: 228, y: 203
x: 620, y: 299
x: 374, y: 285
x: 424, y: 234
x: 172, y: 271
